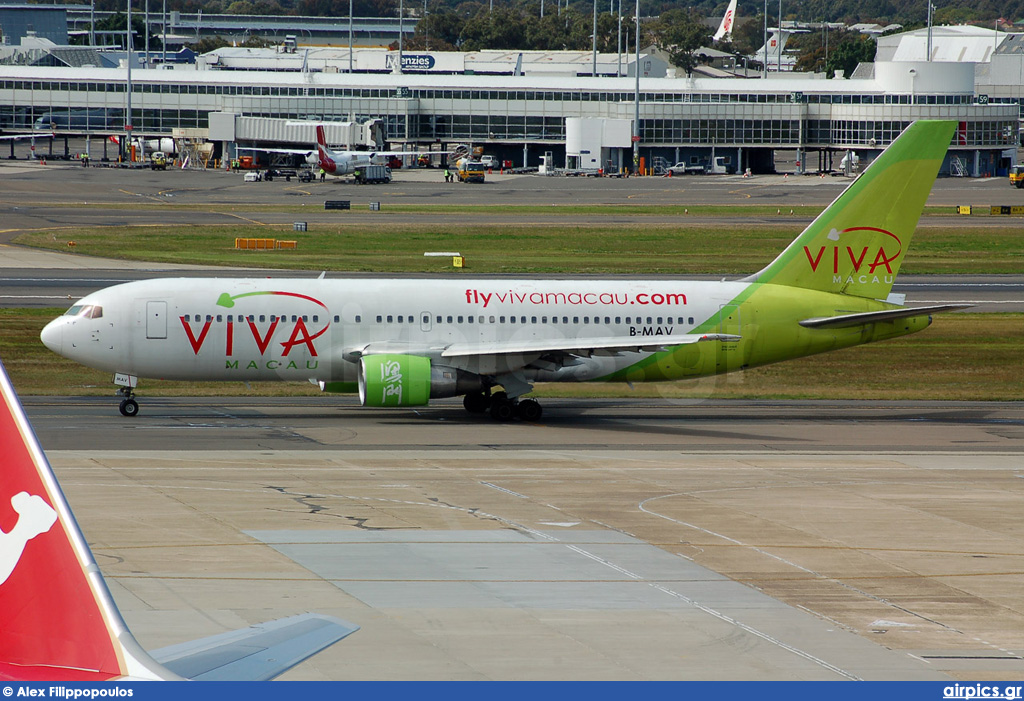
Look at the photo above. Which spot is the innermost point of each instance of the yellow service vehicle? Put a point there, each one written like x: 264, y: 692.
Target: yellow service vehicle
x: 470, y: 170
x: 1017, y: 176
x: 158, y: 161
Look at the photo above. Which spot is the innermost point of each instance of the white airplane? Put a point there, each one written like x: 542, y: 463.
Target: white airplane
x: 337, y: 163
x: 725, y: 28
x: 60, y: 622
x: 400, y: 341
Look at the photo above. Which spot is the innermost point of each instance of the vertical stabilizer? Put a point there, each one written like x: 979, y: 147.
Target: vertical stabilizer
x: 58, y: 619
x: 323, y: 156
x: 857, y: 244
x: 725, y: 28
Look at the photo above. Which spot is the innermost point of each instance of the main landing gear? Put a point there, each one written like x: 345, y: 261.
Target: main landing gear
x: 502, y: 407
x: 129, y: 407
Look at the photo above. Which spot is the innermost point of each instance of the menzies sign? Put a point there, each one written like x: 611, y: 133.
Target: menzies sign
x: 412, y: 62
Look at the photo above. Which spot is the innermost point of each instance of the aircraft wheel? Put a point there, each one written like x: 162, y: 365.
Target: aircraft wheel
x: 475, y: 402
x: 501, y: 408
x: 129, y: 407
x: 529, y: 410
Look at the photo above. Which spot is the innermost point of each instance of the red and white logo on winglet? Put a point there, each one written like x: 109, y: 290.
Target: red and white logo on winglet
x: 35, y: 517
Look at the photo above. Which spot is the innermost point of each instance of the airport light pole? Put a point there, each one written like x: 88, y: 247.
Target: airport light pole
x: 636, y: 95
x: 764, y: 56
x: 349, y: 36
x: 780, y: 37
x: 593, y: 69
x: 618, y: 45
x: 126, y: 146
x: 929, y: 56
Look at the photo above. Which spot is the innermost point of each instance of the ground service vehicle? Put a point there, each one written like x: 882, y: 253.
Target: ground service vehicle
x: 470, y: 171
x: 373, y: 174
x: 1017, y: 176
x: 158, y: 160
x: 682, y: 168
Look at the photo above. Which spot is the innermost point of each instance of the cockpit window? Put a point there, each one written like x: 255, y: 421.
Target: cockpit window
x: 86, y: 311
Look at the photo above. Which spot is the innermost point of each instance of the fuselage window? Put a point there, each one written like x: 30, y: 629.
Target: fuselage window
x: 316, y: 318
x: 390, y: 318
x: 188, y: 317
x: 449, y: 318
x: 522, y: 320
x: 219, y: 318
x: 512, y: 319
x: 359, y: 318
x: 252, y: 317
x: 554, y: 320
x: 460, y: 318
x: 399, y: 318
x: 575, y: 320
x: 305, y: 318
x: 565, y: 320
x: 491, y: 318
x: 438, y: 316
x: 618, y: 319
x: 650, y: 320
x: 273, y: 318
x: 543, y: 319
x: 659, y: 320
x: 608, y: 320
x: 691, y: 318
x: 533, y: 319
x: 294, y: 318
x: 379, y: 318
x: 469, y: 319
x: 338, y: 318
x: 262, y: 318
x: 628, y: 320
x: 209, y: 317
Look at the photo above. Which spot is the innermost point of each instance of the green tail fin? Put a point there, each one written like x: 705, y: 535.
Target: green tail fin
x: 855, y: 246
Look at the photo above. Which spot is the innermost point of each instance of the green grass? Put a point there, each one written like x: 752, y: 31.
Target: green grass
x: 635, y: 248
x: 961, y: 357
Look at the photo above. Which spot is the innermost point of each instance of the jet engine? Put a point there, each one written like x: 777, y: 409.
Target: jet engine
x: 390, y: 380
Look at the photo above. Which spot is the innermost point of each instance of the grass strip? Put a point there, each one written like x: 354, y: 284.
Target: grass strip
x: 632, y: 248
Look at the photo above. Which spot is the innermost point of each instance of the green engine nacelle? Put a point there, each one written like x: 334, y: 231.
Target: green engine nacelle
x: 394, y: 380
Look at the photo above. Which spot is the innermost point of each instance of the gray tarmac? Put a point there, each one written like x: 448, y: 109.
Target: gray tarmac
x: 619, y: 539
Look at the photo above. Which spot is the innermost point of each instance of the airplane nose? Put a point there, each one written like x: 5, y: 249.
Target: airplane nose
x: 52, y: 336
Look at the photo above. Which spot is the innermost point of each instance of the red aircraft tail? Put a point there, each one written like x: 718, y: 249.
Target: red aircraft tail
x: 323, y: 155
x: 59, y: 621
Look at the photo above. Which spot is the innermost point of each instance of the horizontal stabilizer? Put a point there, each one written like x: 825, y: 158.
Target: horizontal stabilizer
x: 257, y: 653
x: 848, y: 320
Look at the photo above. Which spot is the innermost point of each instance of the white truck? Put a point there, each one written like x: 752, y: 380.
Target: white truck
x: 373, y: 174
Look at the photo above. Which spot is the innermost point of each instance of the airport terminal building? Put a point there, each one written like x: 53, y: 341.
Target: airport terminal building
x: 520, y: 117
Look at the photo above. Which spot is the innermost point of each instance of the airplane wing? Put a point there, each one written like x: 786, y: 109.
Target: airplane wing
x: 582, y: 347
x: 847, y: 320
x: 15, y: 137
x: 257, y: 653
x: 611, y: 345
x: 302, y: 151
